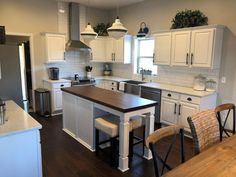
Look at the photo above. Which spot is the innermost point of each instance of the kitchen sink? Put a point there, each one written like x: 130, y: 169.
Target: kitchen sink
x: 133, y: 87
x: 134, y: 82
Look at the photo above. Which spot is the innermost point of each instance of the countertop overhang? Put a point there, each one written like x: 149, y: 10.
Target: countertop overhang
x: 18, y: 121
x: 116, y: 100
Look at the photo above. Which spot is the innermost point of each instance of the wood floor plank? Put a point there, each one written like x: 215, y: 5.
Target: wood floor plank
x: 63, y: 156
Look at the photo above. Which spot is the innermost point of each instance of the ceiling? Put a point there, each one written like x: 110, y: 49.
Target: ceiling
x: 104, y: 4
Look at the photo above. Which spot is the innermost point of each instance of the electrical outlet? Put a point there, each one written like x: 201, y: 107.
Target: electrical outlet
x: 223, y: 79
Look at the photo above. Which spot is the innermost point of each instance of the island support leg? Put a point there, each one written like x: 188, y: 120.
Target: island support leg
x: 124, y: 143
x: 149, y: 128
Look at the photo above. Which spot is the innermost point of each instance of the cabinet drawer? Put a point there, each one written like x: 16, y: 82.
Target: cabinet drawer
x: 171, y: 95
x: 61, y: 85
x: 109, y: 87
x: 190, y: 99
x: 112, y: 83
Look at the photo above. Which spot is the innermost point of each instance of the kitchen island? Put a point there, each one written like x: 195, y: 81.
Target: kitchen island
x: 20, y: 153
x: 81, y: 105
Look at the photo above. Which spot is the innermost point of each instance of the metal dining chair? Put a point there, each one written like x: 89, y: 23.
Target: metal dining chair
x: 205, y: 129
x: 228, y: 107
x: 158, y: 135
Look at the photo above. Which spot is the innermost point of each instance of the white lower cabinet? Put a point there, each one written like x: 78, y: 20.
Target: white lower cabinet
x: 56, y: 94
x: 177, y: 107
x: 186, y: 110
x: 106, y: 84
x: 169, y: 111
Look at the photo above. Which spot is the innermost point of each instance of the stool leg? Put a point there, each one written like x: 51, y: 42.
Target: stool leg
x: 112, y: 150
x: 131, y: 152
x: 143, y: 138
x: 97, y: 141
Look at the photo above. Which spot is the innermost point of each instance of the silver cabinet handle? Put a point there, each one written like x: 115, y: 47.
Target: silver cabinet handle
x: 187, y: 59
x: 191, y: 58
x: 175, y: 108
x: 154, y: 57
x: 114, y: 56
x: 179, y: 109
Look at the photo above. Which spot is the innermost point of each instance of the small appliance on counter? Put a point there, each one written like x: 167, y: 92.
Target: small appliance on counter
x: 210, y: 85
x: 107, y: 70
x: 54, y: 73
x: 199, y: 82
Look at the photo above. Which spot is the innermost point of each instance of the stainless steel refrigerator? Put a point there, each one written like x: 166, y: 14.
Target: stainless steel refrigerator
x: 13, y: 75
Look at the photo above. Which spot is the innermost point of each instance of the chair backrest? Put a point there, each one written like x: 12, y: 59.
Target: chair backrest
x: 223, y: 121
x: 159, y: 134
x: 205, y: 129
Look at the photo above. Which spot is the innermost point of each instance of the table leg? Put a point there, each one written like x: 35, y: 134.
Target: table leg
x: 124, y: 144
x: 149, y: 128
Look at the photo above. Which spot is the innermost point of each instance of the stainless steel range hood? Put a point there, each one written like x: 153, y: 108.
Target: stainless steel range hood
x: 74, y: 42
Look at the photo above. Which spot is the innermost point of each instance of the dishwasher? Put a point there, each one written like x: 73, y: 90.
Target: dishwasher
x: 155, y: 95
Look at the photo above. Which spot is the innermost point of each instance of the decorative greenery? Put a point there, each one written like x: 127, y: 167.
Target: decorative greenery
x: 101, y: 29
x: 189, y: 18
x: 88, y: 68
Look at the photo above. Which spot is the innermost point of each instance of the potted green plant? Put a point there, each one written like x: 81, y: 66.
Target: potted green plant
x: 189, y: 18
x: 89, y: 69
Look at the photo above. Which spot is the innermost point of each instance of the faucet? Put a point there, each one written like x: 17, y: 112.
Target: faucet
x: 76, y: 77
x: 142, y: 72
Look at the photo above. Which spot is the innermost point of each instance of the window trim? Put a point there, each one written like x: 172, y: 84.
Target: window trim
x: 139, y: 56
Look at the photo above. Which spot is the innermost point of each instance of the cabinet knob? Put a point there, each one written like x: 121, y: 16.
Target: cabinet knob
x: 112, y: 88
x: 169, y: 95
x: 62, y: 85
x: 189, y: 99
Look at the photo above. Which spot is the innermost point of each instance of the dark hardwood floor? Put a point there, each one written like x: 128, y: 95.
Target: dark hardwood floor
x: 63, y: 156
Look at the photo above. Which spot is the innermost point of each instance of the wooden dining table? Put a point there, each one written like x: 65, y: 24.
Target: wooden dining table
x: 217, y: 161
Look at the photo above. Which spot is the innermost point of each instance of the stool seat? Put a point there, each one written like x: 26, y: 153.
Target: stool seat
x: 137, y: 121
x: 108, y: 124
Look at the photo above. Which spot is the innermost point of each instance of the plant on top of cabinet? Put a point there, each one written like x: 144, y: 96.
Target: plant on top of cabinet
x: 101, y: 29
x: 189, y: 18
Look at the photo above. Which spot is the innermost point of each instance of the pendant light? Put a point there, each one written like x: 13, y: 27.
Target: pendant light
x: 88, y: 34
x: 117, y: 30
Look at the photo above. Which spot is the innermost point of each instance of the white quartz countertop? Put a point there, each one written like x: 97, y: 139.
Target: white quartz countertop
x: 57, y: 81
x: 179, y: 89
x: 111, y: 78
x: 18, y: 120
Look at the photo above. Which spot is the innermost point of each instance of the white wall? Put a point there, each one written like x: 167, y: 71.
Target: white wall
x: 158, y: 15
x: 36, y: 16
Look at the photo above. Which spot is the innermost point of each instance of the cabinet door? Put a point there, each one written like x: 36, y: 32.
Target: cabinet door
x: 98, y: 47
x: 162, y: 49
x: 169, y: 111
x: 202, y: 47
x: 55, y: 47
x: 180, y: 48
x: 110, y: 49
x: 119, y: 50
x: 187, y: 110
x: 57, y: 94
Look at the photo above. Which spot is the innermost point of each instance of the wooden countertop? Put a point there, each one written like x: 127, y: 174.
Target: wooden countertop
x: 116, y: 100
x: 217, y: 161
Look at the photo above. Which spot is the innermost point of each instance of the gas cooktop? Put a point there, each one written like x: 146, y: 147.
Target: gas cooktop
x: 81, y: 81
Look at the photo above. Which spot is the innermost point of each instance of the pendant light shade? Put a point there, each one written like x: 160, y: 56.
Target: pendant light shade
x: 117, y: 30
x: 89, y: 33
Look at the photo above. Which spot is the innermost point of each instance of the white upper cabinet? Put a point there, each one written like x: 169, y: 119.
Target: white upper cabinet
x: 98, y: 47
x: 54, y: 47
x: 106, y: 49
x: 180, y: 48
x: 162, y: 50
x: 202, y: 47
x: 190, y: 47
